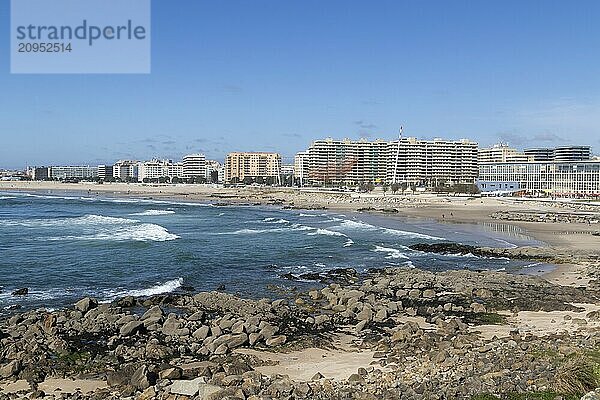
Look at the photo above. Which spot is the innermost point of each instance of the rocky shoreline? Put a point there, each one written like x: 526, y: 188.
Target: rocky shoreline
x: 428, y: 336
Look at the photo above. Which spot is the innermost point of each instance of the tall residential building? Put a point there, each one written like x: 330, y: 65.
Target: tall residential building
x: 542, y: 177
x: 346, y: 162
x: 154, y: 170
x: 560, y: 154
x: 194, y: 166
x: 432, y: 163
x: 412, y: 161
x: 73, y: 172
x: 242, y: 165
x: 301, y: 167
x: 499, y: 153
x: 126, y: 170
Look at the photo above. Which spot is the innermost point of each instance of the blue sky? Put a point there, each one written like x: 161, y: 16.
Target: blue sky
x: 274, y: 75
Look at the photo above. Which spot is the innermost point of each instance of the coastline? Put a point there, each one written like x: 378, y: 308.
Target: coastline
x: 394, y: 330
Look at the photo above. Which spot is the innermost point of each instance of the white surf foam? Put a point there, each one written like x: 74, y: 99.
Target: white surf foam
x: 154, y: 212
x: 252, y: 231
x: 392, y: 253
x: 275, y: 220
x: 349, y: 243
x: 90, y: 219
x: 7, y: 197
x: 159, y: 288
x: 362, y: 226
x: 326, y: 232
x: 137, y: 233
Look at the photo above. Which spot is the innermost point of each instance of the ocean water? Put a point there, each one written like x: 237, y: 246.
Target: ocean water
x: 65, y: 247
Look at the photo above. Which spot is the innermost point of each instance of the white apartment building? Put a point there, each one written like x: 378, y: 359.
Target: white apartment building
x: 194, y: 166
x: 432, y: 163
x: 252, y: 165
x: 73, y: 172
x: 410, y: 160
x: 544, y: 178
x: 153, y: 170
x: 347, y: 162
x: 301, y: 167
x: 126, y: 170
x: 500, y: 153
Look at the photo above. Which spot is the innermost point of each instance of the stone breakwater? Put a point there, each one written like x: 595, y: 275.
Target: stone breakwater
x: 422, y: 327
x: 548, y: 217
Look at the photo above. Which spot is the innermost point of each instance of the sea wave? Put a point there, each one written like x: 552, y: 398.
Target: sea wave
x: 392, y: 253
x: 7, y: 197
x: 271, y: 220
x: 159, y: 288
x: 349, y: 243
x: 154, y: 212
x: 326, y: 232
x: 118, y: 200
x: 90, y: 219
x: 138, y: 233
x: 363, y: 226
x: 252, y: 231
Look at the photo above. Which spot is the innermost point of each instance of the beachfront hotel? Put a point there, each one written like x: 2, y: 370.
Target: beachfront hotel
x: 252, y: 167
x: 567, y: 171
x: 412, y: 161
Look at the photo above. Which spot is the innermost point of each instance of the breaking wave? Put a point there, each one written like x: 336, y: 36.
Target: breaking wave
x: 327, y: 232
x: 392, y: 253
x: 137, y: 233
x: 362, y: 226
x: 160, y: 288
x: 154, y: 212
x: 275, y: 220
x: 90, y: 219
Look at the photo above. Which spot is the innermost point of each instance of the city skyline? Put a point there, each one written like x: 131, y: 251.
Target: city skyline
x: 229, y: 77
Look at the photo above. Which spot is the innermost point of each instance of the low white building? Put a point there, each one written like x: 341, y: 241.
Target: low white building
x: 73, y: 172
x: 568, y: 179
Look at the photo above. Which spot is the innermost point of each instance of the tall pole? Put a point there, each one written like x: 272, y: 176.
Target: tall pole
x: 397, y: 156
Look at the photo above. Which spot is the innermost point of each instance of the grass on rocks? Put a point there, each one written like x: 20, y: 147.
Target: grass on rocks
x: 578, y: 375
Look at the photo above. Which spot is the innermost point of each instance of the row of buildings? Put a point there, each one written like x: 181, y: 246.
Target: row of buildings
x: 194, y: 168
x: 437, y: 163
